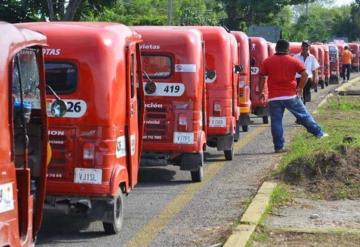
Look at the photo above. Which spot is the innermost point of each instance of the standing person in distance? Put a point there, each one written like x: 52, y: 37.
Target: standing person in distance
x: 346, y: 63
x: 284, y: 93
x: 311, y: 66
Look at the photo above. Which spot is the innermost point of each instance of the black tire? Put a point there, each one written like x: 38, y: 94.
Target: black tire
x: 265, y: 119
x: 245, y: 128
x: 197, y: 176
x: 229, y: 154
x: 322, y: 84
x: 237, y: 132
x: 114, y: 227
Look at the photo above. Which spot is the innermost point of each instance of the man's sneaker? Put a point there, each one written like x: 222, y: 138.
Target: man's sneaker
x: 281, y: 150
x: 323, y: 136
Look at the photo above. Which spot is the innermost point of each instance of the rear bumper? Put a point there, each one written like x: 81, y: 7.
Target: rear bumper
x: 71, y: 189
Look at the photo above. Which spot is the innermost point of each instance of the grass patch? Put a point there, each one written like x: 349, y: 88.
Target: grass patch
x: 329, y: 166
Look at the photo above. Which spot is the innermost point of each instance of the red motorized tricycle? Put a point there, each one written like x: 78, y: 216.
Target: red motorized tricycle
x: 24, y: 141
x: 244, y: 79
x: 355, y: 49
x: 95, y: 68
x: 326, y: 64
x: 321, y: 59
x: 175, y: 100
x: 334, y: 64
x: 258, y: 53
x: 271, y: 48
x: 221, y: 89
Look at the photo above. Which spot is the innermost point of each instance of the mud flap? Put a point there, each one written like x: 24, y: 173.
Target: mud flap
x: 261, y: 111
x: 244, y: 119
x: 225, y: 142
x: 102, y: 209
x: 191, y: 161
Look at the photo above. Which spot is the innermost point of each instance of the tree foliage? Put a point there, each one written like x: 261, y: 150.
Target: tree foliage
x: 243, y: 13
x: 155, y: 12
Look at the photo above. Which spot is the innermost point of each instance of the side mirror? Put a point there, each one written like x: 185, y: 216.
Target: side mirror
x: 210, y: 76
x: 150, y: 87
x: 238, y: 68
x: 58, y: 108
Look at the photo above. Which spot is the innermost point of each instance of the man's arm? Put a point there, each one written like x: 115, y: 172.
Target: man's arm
x: 262, y: 83
x: 303, y: 80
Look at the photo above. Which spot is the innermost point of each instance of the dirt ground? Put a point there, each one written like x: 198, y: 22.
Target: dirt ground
x: 333, y: 175
x: 292, y: 239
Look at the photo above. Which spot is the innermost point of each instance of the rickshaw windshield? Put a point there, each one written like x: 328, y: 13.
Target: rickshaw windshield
x: 157, y: 66
x: 61, y: 77
x: 27, y: 67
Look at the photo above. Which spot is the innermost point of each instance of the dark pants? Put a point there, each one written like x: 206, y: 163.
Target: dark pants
x: 306, y: 92
x: 346, y: 68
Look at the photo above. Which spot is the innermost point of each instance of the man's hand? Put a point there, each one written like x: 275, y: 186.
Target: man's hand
x: 262, y: 96
x: 299, y: 92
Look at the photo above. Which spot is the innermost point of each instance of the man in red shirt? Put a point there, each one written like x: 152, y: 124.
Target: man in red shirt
x: 280, y: 70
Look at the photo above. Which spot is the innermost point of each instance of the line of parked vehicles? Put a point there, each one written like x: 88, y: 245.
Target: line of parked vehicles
x: 109, y: 98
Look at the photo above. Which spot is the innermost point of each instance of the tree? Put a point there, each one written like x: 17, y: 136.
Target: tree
x: 154, y: 12
x: 36, y: 10
x: 243, y: 13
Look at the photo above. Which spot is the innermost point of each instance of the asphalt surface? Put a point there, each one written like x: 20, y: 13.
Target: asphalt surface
x: 166, y: 209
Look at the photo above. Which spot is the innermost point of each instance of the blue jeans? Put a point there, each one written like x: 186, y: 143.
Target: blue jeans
x: 297, y: 108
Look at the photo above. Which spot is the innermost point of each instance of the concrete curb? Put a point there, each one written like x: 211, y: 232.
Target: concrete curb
x: 345, y: 86
x: 252, y: 216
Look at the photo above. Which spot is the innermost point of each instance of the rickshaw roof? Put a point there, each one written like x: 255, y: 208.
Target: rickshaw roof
x: 165, y: 33
x: 17, y: 39
x: 81, y: 29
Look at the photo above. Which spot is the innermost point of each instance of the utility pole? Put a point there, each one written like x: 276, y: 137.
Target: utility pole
x: 170, y: 12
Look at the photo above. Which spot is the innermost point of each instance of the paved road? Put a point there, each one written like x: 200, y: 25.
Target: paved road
x: 166, y: 209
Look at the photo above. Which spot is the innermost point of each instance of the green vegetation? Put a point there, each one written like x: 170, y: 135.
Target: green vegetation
x: 340, y: 118
x: 315, y: 20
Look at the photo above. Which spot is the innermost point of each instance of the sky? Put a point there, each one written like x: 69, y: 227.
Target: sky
x: 342, y: 2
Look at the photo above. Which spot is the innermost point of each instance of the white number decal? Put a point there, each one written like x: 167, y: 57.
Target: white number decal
x: 75, y: 108
x: 168, y: 89
x: 254, y: 70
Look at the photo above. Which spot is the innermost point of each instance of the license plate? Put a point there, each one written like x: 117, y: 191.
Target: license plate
x: 88, y: 176
x: 217, y: 122
x: 183, y: 138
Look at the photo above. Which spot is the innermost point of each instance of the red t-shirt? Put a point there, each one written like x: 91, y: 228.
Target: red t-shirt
x: 281, y: 71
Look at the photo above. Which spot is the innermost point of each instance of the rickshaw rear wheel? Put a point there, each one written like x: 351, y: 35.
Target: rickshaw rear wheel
x: 197, y: 175
x: 245, y: 128
x: 237, y: 132
x: 114, y: 227
x: 229, y: 154
x: 265, y: 119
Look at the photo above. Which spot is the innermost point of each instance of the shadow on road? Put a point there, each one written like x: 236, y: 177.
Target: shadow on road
x: 57, y: 227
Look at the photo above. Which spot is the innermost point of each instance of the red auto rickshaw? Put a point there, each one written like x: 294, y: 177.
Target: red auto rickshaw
x: 244, y: 79
x: 334, y: 64
x: 235, y: 82
x: 23, y: 145
x: 327, y: 64
x: 295, y: 48
x: 321, y: 60
x: 175, y: 100
x: 340, y: 47
x: 271, y: 48
x: 258, y: 53
x: 315, y: 51
x: 95, y: 68
x: 355, y: 49
x: 221, y: 85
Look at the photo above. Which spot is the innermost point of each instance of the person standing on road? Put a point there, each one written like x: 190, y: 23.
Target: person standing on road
x: 311, y: 66
x: 346, y: 64
x: 284, y: 93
